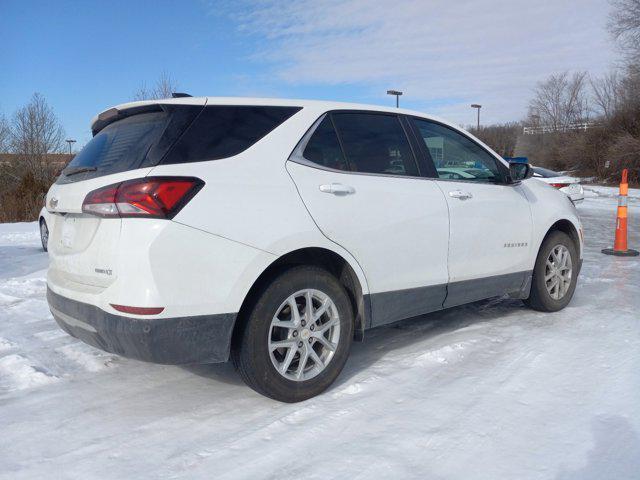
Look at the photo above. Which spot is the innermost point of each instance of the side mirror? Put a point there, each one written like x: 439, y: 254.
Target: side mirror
x: 519, y: 171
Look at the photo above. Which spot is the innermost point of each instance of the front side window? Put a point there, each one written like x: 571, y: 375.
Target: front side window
x: 455, y: 156
x: 375, y: 143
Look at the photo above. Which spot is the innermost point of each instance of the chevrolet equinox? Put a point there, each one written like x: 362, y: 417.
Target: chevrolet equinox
x: 275, y: 232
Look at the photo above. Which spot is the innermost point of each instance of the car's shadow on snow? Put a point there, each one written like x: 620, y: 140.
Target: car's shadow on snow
x: 19, y: 260
x: 615, y: 451
x: 381, y: 341
x: 220, y: 372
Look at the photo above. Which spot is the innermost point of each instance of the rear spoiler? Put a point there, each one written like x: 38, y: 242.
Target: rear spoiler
x: 113, y: 114
x: 146, y: 106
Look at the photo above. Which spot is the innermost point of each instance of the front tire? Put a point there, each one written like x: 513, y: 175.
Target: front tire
x: 297, y: 336
x: 555, y: 274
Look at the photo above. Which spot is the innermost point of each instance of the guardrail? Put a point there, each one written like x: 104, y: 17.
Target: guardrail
x: 536, y: 130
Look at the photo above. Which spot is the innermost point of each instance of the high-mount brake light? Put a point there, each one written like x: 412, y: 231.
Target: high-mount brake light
x: 150, y: 197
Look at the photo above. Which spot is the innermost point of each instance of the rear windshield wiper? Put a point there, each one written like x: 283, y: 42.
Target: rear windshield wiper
x: 73, y: 171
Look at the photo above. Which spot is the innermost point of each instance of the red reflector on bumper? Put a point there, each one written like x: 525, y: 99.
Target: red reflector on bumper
x: 138, y: 310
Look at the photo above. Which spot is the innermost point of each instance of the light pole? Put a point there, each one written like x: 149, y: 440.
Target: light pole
x: 70, y: 142
x: 397, y: 94
x: 477, y: 107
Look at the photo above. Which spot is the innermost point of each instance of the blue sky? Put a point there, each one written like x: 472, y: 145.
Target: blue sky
x: 86, y: 56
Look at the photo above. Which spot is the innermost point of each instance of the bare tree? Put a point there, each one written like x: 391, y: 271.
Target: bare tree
x: 163, y: 88
x: 607, y: 94
x: 36, y: 132
x: 5, y: 134
x: 501, y: 138
x: 560, y: 101
x: 624, y: 25
x: 630, y: 88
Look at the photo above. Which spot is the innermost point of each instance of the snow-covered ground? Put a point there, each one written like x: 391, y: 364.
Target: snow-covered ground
x: 486, y: 391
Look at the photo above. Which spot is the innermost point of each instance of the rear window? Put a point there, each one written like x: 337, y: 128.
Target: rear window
x: 179, y: 134
x: 120, y: 146
x: 225, y: 131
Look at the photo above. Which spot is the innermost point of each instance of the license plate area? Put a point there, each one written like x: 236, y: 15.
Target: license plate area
x: 68, y: 233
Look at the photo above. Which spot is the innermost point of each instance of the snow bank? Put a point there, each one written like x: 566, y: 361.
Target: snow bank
x: 5, y: 345
x: 16, y: 373
x: 27, y: 233
x: 88, y: 358
x: 600, y: 191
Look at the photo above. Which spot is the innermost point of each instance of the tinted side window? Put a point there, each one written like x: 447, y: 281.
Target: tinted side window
x: 223, y: 131
x: 324, y: 148
x: 375, y: 143
x: 456, y: 156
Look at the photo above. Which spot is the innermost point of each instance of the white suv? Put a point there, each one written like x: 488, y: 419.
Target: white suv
x: 274, y: 232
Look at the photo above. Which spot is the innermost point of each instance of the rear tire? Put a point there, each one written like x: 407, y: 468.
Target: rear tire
x: 44, y: 234
x: 305, y: 365
x: 555, y: 274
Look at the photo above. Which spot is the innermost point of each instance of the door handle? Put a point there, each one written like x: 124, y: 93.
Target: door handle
x: 337, y: 189
x: 460, y: 194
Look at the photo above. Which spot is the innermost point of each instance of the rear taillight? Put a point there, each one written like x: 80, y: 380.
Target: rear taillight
x: 559, y: 185
x: 151, y: 197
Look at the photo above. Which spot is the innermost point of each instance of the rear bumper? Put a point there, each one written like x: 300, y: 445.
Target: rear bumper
x: 576, y: 194
x: 172, y: 341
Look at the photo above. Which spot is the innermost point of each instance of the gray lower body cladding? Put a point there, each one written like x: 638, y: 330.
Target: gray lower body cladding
x: 171, y: 341
x: 389, y: 307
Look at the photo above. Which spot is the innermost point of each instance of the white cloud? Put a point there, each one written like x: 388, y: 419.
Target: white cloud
x: 443, y: 54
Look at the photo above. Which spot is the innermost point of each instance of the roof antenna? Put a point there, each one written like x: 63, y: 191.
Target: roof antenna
x: 179, y: 95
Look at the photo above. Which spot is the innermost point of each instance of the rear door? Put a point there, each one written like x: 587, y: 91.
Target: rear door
x: 358, y: 177
x: 490, y: 220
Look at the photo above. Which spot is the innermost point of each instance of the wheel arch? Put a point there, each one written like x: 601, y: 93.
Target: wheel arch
x: 333, y: 262
x: 568, y: 227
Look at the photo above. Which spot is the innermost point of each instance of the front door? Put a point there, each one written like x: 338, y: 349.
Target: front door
x: 490, y: 221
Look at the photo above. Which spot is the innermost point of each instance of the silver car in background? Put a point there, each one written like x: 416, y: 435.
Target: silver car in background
x: 568, y: 185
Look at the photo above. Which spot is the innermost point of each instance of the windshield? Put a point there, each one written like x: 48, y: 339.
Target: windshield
x: 544, y: 172
x: 120, y: 146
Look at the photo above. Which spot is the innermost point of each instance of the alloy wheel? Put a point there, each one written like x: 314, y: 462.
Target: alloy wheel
x: 304, y: 335
x: 558, y: 272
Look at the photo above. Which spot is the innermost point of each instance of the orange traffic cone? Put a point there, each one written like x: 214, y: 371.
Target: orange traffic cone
x: 620, y: 243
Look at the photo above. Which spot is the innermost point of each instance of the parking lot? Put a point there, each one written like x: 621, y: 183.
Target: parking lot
x: 490, y: 390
